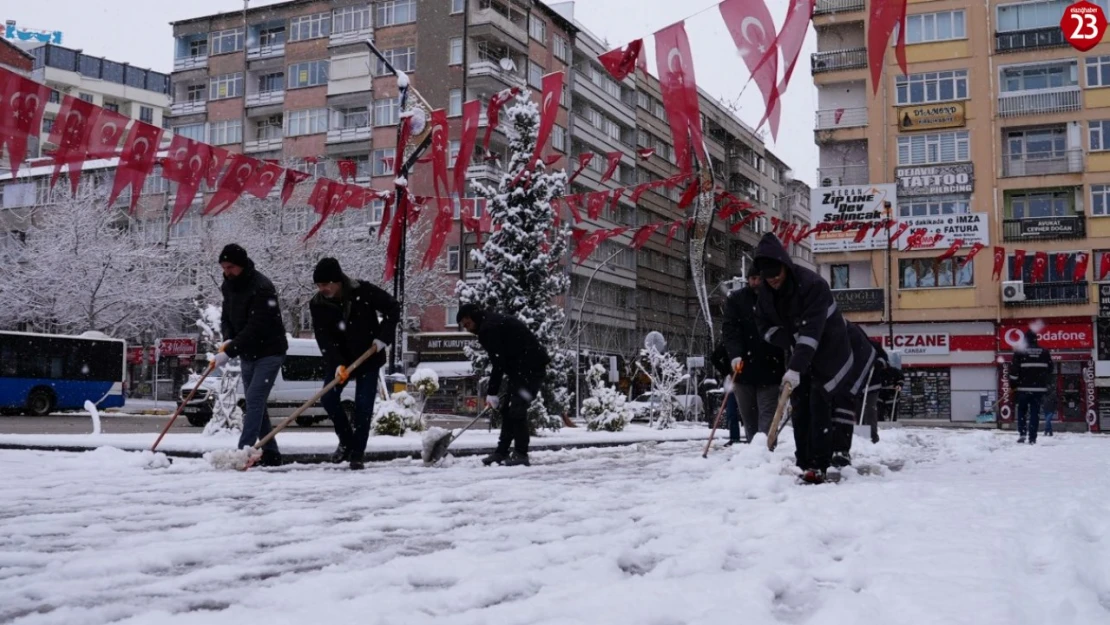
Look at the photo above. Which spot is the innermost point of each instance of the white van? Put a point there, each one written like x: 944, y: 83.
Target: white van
x: 301, y: 376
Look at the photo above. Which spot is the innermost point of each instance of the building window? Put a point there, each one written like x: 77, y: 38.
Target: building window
x: 225, y: 132
x: 307, y: 122
x: 47, y: 124
x: 383, y: 161
x: 559, y: 138
x: 111, y: 106
x: 1040, y: 204
x: 87, y: 97
x: 928, y: 149
x: 146, y: 114
x: 1057, y: 75
x: 931, y: 87
x: 455, y: 103
x: 226, y: 86
x: 1098, y: 134
x: 1100, y: 200
x: 311, y: 74
x: 357, y: 117
x: 535, y: 75
x: 1025, y: 271
x: 452, y: 316
x: 269, y: 83
x: 457, y: 6
x: 377, y: 211
x: 561, y: 48
x: 272, y: 36
x: 192, y: 131
x: 386, y: 112
x: 1098, y: 71
x: 840, y: 276
x: 537, y: 28
x: 1040, y: 143
x: 226, y: 41
x: 455, y: 57
x: 934, y: 206
x: 194, y: 93
x: 928, y: 273
x: 402, y: 59
x: 453, y: 258
x: 942, y: 26
x: 310, y: 26
x: 350, y: 19
x: 1031, y: 15
x: 393, y: 12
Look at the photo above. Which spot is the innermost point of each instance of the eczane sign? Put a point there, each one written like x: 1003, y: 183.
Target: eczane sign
x: 919, y: 343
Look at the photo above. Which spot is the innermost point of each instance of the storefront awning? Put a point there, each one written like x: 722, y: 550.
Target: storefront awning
x: 448, y: 369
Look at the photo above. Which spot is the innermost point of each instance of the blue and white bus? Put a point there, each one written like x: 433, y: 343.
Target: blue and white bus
x: 41, y: 373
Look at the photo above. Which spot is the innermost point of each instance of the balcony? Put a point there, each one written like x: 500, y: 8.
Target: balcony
x: 859, y: 300
x: 190, y: 62
x: 267, y: 51
x: 263, y: 145
x: 832, y: 119
x: 1059, y: 100
x: 1055, y: 293
x: 836, y: 60
x: 1043, y: 163
x: 486, y: 22
x: 350, y: 36
x: 484, y: 172
x: 842, y: 175
x: 266, y: 98
x: 1021, y: 40
x: 491, y: 71
x: 189, y: 108
x: 830, y: 7
x: 344, y: 135
x: 1044, y: 228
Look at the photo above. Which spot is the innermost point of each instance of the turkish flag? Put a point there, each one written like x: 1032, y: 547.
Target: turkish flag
x: 347, y: 169
x: 584, y: 159
x: 975, y: 249
x: 1082, y: 259
x: 792, y: 36
x: 217, y: 157
x: 639, y: 190
x: 734, y: 206
x: 689, y: 195
x: 325, y: 200
x: 615, y: 199
x: 493, y: 113
x: 573, y: 202
x: 1019, y: 265
x: 999, y: 262
x: 104, y: 138
x: 1103, y: 266
x: 231, y: 184
x: 620, y: 63
x: 446, y: 209
x: 898, y: 232
x: 292, y: 179
x: 864, y: 228
x: 672, y: 230
x: 472, y: 111
x: 917, y: 238
x: 136, y: 162
x: 586, y: 242
x: 1061, y: 265
x: 549, y: 111
x: 885, y: 16
x: 22, y: 103
x: 595, y: 203
x: 263, y: 179
x: 185, y: 165
x: 643, y: 234
x: 753, y: 32
x: 614, y: 162
x: 951, y: 251
x: 680, y: 93
x: 752, y: 215
x: 645, y: 153
x: 71, y: 134
x: 386, y: 210
x: 1040, y: 266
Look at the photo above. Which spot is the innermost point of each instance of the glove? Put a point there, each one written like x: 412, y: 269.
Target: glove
x: 380, y: 344
x: 727, y: 386
x: 525, y: 395
x: 737, y: 365
x: 492, y: 401
x: 223, y: 346
x: 220, y: 359
x: 793, y: 378
x: 341, y: 374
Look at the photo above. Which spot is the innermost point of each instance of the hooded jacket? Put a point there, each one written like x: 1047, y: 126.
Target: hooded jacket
x: 764, y: 364
x: 1031, y: 370
x: 251, y: 317
x: 347, y: 326
x: 513, y: 350
x: 802, y: 316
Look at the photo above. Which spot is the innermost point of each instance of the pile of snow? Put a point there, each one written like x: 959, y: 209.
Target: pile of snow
x: 605, y: 408
x: 397, y: 414
x: 95, y: 414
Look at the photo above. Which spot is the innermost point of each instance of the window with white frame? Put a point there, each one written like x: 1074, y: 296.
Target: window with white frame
x: 350, y: 19
x: 1098, y: 134
x: 355, y: 117
x: 1098, y: 71
x: 310, y: 26
x: 934, y: 148
x: 1037, y: 143
x: 377, y: 210
x: 457, y: 6
x: 271, y: 82
x: 192, y: 131
x: 561, y: 48
x: 402, y: 59
x: 941, y: 26
x: 1040, y: 203
x: 1056, y: 75
x: 1100, y: 200
x: 1029, y: 15
x: 225, y: 132
x: 383, y: 161
x: 931, y: 87
x: 225, y: 41
x: 537, y: 28
x: 194, y: 93
x: 452, y: 311
x: 452, y: 152
x: 386, y: 112
x: 155, y: 183
x: 453, y: 258
x: 535, y: 75
x: 310, y: 74
x: 306, y: 122
x: 559, y: 138
x: 226, y: 86
x: 146, y: 114
x: 934, y: 206
x: 393, y: 12
x: 455, y: 54
x: 455, y: 103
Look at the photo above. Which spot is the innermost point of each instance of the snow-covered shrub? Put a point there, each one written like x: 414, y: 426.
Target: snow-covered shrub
x: 397, y: 414
x: 425, y: 381
x: 226, y: 414
x: 605, y: 408
x: 665, y: 373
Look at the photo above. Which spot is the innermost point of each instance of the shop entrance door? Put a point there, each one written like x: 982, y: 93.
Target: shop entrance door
x: 1069, y: 395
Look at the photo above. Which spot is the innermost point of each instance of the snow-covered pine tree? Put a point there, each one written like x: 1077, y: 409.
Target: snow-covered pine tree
x: 520, y: 260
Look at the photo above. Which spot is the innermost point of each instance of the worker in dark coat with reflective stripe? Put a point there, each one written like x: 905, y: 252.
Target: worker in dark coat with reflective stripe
x: 826, y: 368
x: 1030, y: 376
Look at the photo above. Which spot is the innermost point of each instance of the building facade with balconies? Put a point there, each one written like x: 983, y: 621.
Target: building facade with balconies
x: 995, y: 136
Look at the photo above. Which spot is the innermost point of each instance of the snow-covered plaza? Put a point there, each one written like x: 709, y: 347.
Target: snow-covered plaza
x: 972, y: 528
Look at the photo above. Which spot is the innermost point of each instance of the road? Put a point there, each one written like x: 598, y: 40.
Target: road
x: 132, y: 424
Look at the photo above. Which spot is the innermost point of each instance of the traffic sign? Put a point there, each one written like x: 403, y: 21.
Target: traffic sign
x: 1083, y: 24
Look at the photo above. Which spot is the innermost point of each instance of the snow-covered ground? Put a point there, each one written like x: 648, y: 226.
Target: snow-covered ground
x: 973, y: 529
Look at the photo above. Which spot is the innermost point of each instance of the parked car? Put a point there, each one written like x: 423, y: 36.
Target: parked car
x: 301, y: 376
x: 689, y: 407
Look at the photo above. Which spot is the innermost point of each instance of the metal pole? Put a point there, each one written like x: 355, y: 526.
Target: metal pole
x: 578, y: 348
x: 889, y: 277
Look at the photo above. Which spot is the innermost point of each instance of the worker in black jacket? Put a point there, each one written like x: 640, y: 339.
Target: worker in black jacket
x: 253, y: 331
x: 758, y: 366
x: 1030, y: 376
x: 720, y: 361
x: 515, y: 354
x: 345, y: 318
x: 796, y: 311
x: 891, y: 382
x: 844, y: 418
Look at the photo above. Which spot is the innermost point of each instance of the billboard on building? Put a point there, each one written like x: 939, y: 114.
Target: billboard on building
x: 931, y: 116
x: 941, y: 231
x: 935, y: 180
x: 849, y: 207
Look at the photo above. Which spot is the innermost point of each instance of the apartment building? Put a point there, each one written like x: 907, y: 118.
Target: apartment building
x: 996, y: 137
x: 15, y: 58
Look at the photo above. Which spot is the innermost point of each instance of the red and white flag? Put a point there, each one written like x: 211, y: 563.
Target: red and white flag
x: 262, y: 181
x: 22, y: 103
x: 71, y: 134
x: 1040, y: 266
x: 185, y: 165
x: 1082, y: 259
x: 1000, y: 261
x: 472, y: 111
x: 643, y: 234
x: 549, y: 111
x: 971, y: 254
x: 884, y: 18
x: 1061, y: 264
x: 136, y: 162
x: 951, y: 251
x: 292, y: 179
x: 347, y: 169
x: 107, y: 130
x: 645, y: 153
x: 231, y: 184
x: 595, y: 203
x: 622, y: 62
x: 680, y: 93
x: 753, y: 32
x: 584, y: 159
x: 493, y: 113
x: 614, y: 162
x: 446, y: 209
x: 1018, y: 266
x: 573, y: 205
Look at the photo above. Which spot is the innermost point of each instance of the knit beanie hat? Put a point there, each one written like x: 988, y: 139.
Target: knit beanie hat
x: 327, y: 270
x: 234, y: 254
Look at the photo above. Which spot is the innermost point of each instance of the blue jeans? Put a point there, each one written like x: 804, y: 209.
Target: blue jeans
x: 258, y: 378
x: 1048, y: 422
x: 366, y: 391
x: 732, y: 412
x: 1029, y: 407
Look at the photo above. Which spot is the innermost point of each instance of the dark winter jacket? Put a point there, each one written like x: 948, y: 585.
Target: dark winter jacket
x: 513, y: 351
x: 251, y: 317
x: 802, y: 316
x: 1031, y: 370
x: 764, y: 364
x: 347, y: 326
x: 720, y: 361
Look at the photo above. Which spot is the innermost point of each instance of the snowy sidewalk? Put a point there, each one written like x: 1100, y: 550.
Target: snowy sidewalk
x: 974, y: 530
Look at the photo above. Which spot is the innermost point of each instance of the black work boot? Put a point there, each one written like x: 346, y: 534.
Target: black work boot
x: 270, y: 459
x: 518, y: 459
x: 356, y: 462
x: 341, y: 454
x: 841, y: 459
x: 497, y: 457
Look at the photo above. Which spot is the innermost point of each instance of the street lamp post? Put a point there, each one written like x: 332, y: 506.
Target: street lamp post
x: 578, y: 347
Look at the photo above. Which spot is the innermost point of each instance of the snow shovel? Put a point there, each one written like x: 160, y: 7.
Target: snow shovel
x: 243, y: 459
x: 189, y: 398
x: 435, y: 446
x: 720, y: 411
x: 773, y: 433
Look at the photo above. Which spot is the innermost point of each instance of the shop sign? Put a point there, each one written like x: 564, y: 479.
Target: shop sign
x: 919, y: 344
x: 846, y: 209
x: 935, y: 179
x: 444, y: 347
x: 947, y: 115
x: 176, y: 347
x: 1054, y: 335
x: 1005, y: 407
x: 1104, y: 301
x: 859, y: 300
x: 1048, y: 227
x: 1090, y: 395
x: 942, y: 231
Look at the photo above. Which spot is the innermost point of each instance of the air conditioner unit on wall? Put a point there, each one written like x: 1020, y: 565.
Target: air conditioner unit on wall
x: 1013, y: 291
x: 830, y: 181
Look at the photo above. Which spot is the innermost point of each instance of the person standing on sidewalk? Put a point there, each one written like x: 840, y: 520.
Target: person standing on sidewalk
x: 1030, y: 374
x: 345, y: 319
x: 721, y: 363
x: 757, y: 365
x: 253, y: 331
x: 516, y: 354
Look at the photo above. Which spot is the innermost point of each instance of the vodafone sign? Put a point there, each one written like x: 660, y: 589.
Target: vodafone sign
x: 920, y: 344
x: 1053, y: 336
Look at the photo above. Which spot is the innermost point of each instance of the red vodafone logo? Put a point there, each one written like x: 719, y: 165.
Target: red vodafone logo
x: 1053, y: 336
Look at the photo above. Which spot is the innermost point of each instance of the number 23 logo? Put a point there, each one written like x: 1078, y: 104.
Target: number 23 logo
x: 1083, y: 25
x: 1086, y: 26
